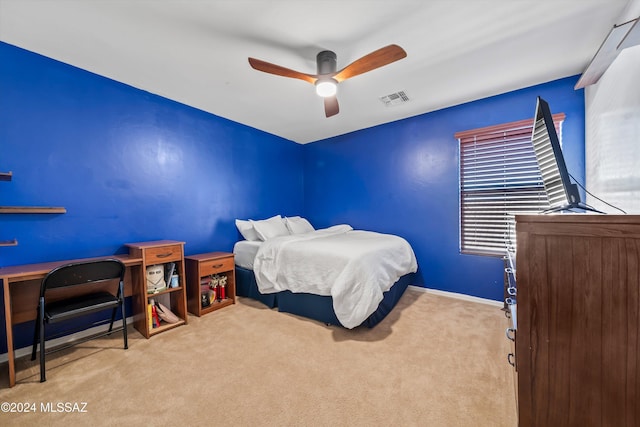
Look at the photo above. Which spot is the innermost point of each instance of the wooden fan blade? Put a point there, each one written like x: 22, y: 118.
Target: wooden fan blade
x: 375, y: 59
x: 331, y: 107
x: 270, y: 68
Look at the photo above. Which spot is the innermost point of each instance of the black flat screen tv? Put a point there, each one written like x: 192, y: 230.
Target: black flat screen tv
x: 563, y: 195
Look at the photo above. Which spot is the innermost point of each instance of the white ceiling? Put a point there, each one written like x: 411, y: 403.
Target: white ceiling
x: 196, y: 51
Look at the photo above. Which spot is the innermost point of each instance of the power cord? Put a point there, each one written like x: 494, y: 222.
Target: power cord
x: 594, y: 196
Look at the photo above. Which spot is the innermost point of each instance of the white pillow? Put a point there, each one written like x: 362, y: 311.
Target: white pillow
x: 246, y: 229
x: 269, y: 228
x: 298, y: 225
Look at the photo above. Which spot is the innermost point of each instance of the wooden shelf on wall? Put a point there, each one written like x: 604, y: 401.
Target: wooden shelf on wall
x: 32, y: 210
x: 7, y: 176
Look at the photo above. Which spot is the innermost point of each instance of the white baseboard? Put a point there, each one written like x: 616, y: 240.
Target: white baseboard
x: 458, y: 296
x: 25, y: 351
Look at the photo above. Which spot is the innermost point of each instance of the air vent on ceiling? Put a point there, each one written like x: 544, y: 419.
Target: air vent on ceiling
x: 395, y: 99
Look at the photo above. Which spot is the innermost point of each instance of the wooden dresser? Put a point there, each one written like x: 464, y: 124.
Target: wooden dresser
x: 577, y: 339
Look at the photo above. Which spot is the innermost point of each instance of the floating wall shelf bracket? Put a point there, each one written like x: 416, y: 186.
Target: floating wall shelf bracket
x: 620, y: 37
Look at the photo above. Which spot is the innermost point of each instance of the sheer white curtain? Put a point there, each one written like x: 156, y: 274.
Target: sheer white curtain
x: 612, y: 150
x: 612, y: 117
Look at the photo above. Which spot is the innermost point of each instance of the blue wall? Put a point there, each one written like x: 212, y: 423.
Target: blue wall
x: 402, y: 178
x: 128, y: 166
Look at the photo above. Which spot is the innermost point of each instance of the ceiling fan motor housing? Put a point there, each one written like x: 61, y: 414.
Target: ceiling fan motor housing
x: 327, y: 62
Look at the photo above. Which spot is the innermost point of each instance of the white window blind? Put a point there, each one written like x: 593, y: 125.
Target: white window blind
x: 499, y: 177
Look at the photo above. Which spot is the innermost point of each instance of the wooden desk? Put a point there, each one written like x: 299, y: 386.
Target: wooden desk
x: 21, y: 286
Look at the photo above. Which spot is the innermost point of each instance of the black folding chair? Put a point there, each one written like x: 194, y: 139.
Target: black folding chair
x: 92, y: 282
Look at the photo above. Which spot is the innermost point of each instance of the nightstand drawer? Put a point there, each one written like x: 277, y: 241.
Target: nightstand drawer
x: 216, y: 266
x: 163, y: 254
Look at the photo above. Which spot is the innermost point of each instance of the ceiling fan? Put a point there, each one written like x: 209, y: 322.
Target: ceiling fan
x: 327, y: 79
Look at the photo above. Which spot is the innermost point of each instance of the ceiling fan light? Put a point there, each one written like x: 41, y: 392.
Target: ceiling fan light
x: 326, y: 88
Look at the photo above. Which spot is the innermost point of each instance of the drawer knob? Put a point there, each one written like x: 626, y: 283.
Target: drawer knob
x: 217, y: 266
x: 509, y: 333
x: 164, y: 255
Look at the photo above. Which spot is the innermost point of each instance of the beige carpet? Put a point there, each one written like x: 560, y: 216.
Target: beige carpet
x: 434, y: 361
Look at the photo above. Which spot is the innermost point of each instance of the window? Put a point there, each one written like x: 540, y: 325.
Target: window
x: 499, y: 177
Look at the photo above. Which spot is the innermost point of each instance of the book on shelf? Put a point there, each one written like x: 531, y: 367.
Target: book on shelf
x: 169, y: 269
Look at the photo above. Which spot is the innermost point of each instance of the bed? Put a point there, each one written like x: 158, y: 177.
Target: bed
x: 338, y: 275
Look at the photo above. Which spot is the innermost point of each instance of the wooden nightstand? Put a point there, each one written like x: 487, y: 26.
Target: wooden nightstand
x: 165, y: 252
x: 200, y: 269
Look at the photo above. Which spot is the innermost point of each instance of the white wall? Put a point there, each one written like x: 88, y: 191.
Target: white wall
x: 612, y: 146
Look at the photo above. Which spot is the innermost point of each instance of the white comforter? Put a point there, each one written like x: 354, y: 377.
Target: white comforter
x: 353, y: 266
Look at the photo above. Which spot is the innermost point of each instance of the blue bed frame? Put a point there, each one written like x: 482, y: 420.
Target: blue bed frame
x: 317, y: 307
